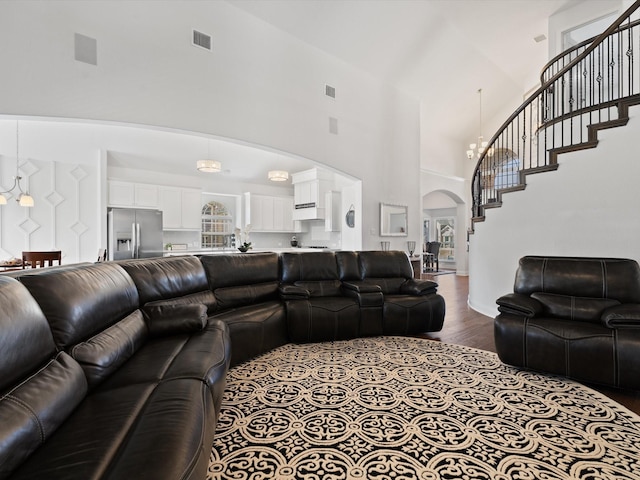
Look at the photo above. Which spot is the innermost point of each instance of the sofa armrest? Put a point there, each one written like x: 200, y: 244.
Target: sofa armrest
x: 626, y: 315
x: 360, y: 287
x: 518, y: 304
x: 293, y: 292
x: 418, y: 287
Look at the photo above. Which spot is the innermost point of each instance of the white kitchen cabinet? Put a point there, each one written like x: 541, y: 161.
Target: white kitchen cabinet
x: 130, y: 194
x: 171, y: 206
x: 267, y: 213
x: 332, y: 219
x: 181, y: 208
x: 283, y: 214
x: 191, y: 209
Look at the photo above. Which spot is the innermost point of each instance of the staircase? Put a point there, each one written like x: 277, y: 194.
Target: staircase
x: 583, y: 90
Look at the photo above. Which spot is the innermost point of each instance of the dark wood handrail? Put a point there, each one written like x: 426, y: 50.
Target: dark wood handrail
x: 515, y: 128
x: 579, y: 46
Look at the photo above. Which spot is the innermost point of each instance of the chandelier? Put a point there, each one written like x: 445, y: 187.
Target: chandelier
x: 23, y: 199
x: 477, y: 149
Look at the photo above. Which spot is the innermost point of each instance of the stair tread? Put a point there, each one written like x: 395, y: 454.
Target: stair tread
x: 543, y: 168
x: 515, y: 188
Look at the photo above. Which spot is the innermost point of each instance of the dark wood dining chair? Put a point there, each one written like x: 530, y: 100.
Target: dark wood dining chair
x: 431, y: 253
x: 41, y: 259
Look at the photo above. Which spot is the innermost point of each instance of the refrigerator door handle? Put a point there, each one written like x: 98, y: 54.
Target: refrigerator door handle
x: 134, y: 240
x: 138, y: 240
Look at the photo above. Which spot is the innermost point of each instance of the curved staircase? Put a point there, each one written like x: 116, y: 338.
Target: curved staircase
x: 583, y: 90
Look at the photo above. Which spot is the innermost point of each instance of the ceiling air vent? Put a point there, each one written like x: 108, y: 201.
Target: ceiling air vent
x: 201, y: 40
x: 330, y: 91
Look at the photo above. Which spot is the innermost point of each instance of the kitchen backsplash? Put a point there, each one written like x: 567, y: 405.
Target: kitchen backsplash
x: 316, y: 236
x: 191, y: 239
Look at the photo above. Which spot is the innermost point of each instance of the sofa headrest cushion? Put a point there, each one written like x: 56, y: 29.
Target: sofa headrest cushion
x: 378, y: 264
x: 174, y: 319
x: 348, y: 266
x: 236, y: 269
x: 615, y: 278
x: 26, y: 341
x: 166, y: 277
x: 232, y: 297
x: 80, y: 302
x: 573, y: 308
x: 309, y: 266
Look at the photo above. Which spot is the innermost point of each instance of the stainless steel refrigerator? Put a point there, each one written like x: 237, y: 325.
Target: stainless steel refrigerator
x: 134, y: 233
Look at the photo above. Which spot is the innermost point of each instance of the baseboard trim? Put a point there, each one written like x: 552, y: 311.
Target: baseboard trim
x: 484, y: 310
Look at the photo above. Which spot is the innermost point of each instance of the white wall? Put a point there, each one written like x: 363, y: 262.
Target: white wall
x: 259, y: 85
x: 588, y: 207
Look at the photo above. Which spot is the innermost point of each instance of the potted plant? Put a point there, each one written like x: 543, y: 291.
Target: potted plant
x: 243, y: 237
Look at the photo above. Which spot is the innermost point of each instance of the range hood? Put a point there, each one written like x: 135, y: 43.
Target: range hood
x: 309, y: 193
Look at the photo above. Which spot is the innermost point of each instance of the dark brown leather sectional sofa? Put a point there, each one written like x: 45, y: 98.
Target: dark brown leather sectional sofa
x: 116, y: 370
x: 574, y: 316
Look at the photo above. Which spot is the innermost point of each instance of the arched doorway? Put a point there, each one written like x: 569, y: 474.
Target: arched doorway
x: 444, y: 220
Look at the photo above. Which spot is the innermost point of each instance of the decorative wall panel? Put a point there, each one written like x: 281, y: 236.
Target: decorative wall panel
x: 66, y: 215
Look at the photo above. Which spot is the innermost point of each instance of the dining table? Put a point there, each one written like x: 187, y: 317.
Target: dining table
x: 12, y: 264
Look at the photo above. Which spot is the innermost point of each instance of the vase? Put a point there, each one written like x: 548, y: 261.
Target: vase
x: 243, y: 249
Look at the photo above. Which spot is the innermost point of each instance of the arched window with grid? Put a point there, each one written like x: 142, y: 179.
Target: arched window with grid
x: 217, y: 225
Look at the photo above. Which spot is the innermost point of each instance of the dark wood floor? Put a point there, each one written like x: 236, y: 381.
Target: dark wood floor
x: 464, y: 326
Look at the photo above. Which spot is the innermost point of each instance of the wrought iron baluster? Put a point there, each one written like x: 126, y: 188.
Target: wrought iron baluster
x: 591, y: 80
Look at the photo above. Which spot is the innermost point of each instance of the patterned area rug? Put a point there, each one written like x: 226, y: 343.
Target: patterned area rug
x: 407, y: 408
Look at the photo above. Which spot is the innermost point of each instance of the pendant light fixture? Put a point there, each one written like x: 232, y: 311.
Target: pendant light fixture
x: 208, y: 165
x: 23, y: 199
x: 476, y: 149
x: 278, y: 175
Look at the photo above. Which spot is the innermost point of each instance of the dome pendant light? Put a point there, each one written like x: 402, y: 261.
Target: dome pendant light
x: 278, y: 175
x: 208, y: 165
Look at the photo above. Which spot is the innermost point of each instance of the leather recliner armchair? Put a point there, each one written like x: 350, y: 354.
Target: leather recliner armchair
x: 572, y: 316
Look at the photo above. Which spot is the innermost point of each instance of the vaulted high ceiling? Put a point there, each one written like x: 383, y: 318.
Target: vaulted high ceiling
x: 440, y: 51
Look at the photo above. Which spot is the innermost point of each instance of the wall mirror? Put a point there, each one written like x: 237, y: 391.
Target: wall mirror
x: 393, y: 220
